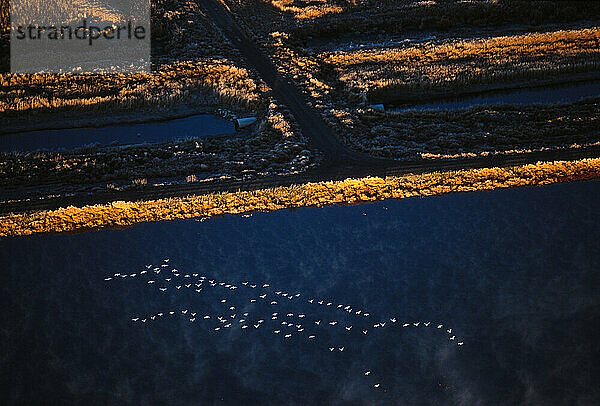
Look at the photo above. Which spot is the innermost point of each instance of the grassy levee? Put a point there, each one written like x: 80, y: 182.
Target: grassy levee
x: 392, y: 73
x: 350, y: 191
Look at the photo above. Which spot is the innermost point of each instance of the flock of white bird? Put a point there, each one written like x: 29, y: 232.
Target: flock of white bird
x: 288, y: 325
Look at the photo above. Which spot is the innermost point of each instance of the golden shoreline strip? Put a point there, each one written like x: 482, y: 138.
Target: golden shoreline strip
x: 350, y: 191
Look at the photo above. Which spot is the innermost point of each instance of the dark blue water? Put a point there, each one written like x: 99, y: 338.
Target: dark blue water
x: 568, y: 93
x: 513, y: 273
x: 197, y: 126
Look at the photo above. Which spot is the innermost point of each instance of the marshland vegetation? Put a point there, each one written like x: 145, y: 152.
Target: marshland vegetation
x: 350, y: 191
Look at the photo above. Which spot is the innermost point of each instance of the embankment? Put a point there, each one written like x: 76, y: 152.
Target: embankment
x: 350, y: 191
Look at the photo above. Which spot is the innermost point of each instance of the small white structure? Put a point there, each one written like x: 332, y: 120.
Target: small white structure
x: 244, y: 122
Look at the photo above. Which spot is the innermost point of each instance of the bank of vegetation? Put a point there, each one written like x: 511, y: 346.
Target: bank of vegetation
x: 391, y: 74
x: 350, y: 191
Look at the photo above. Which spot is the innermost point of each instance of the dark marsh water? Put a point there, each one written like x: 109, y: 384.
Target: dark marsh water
x: 546, y: 95
x: 197, y: 126
x: 513, y: 273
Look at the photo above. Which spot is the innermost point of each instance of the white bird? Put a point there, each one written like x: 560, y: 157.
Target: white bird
x: 287, y: 335
x: 366, y: 314
x: 416, y: 324
x: 246, y: 314
x: 266, y: 285
x: 133, y: 275
x: 143, y: 272
x: 223, y: 300
x: 320, y: 302
x: 263, y: 296
x: 311, y: 337
x: 184, y: 311
x: 333, y: 323
x: 311, y: 300
x: 318, y: 322
x: 168, y: 279
x: 331, y: 349
x: 245, y: 283
x: 341, y: 348
x: 405, y: 325
x: 301, y: 316
x: 207, y: 317
x: 440, y: 326
x: 358, y: 311
x: 349, y: 328
x: 365, y: 332
x: 367, y: 373
x: 135, y: 319
x: 427, y: 324
x: 257, y: 325
x: 252, y: 300
x: 217, y: 328
x: 393, y: 320
x: 382, y: 324
x: 244, y: 326
x: 375, y: 325
x: 290, y: 314
x: 193, y: 319
x: 162, y: 289
x: 107, y: 279
x: 149, y: 282
x: 329, y: 304
x: 449, y: 331
x: 153, y: 317
x: 376, y: 385
x: 178, y: 287
x: 276, y: 331
x: 232, y: 308
x: 273, y: 302
x: 453, y: 337
x: 460, y: 343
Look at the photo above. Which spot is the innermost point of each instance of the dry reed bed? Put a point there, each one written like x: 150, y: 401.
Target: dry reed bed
x: 396, y: 17
x: 478, y: 130
x: 309, y: 10
x: 392, y: 72
x: 170, y: 84
x: 350, y: 191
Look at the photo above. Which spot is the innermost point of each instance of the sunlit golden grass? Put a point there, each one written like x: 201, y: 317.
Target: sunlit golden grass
x: 308, y: 10
x: 350, y: 191
x: 170, y: 84
x: 462, y: 62
x: 66, y: 11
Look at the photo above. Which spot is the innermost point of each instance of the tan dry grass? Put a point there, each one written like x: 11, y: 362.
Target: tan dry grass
x: 350, y: 191
x: 463, y: 62
x: 170, y: 84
